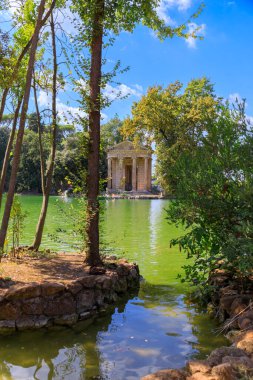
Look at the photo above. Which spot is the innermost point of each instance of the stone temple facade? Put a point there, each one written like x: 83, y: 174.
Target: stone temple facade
x: 129, y: 168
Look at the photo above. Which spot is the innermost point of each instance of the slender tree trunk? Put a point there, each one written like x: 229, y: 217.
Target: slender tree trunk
x: 47, y: 183
x: 19, y: 140
x: 92, y: 226
x: 42, y: 161
x: 8, y: 151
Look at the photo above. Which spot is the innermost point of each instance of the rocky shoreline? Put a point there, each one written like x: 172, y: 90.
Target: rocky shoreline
x: 233, y: 306
x: 45, y: 304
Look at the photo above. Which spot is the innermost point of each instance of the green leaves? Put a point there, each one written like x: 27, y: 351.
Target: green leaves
x: 214, y: 189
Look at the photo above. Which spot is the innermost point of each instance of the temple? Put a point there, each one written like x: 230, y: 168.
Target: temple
x: 129, y: 168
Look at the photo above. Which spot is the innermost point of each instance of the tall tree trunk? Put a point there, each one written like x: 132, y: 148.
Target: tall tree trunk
x: 42, y: 161
x: 47, y: 183
x: 92, y: 225
x: 18, y: 145
x: 8, y: 151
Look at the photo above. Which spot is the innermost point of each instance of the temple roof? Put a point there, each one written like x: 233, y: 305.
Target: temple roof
x: 128, y: 149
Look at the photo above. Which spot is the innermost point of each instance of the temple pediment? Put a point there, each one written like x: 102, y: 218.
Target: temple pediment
x: 124, y: 145
x: 128, y: 146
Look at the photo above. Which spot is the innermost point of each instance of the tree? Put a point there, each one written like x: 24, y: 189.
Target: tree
x: 8, y: 149
x: 99, y: 18
x: 214, y: 190
x: 15, y: 163
x: 111, y: 132
x: 46, y: 179
x: 173, y: 119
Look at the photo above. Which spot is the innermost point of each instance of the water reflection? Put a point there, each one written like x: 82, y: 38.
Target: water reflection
x: 152, y: 331
x: 157, y: 329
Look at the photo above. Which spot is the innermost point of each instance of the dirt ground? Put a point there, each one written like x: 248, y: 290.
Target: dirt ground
x: 56, y: 267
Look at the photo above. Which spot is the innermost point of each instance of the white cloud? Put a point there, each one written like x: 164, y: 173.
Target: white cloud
x: 64, y: 111
x: 233, y: 98
x: 201, y: 30
x: 121, y: 91
x: 165, y: 5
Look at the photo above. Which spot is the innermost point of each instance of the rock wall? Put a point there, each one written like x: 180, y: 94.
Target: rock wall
x: 36, y: 305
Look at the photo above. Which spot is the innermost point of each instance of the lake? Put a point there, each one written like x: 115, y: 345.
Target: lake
x: 154, y: 329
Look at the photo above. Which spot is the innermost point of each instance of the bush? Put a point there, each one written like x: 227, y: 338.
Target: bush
x: 214, y: 187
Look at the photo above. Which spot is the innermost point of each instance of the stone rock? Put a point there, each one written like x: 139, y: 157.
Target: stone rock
x: 103, y: 282
x: 7, y: 327
x: 224, y: 371
x: 74, y: 287
x: 245, y: 342
x: 33, y: 306
x: 9, y: 311
x: 122, y: 270
x: 23, y: 291
x: 64, y: 304
x: 97, y: 271
x: 30, y: 323
x: 26, y: 323
x: 248, y: 335
x: 87, y: 281
x: 51, y: 288
x: 111, y: 297
x: 99, y: 298
x: 203, y: 376
x: 232, y: 335
x: 219, y: 279
x: 66, y: 320
x: 238, y: 363
x: 215, y: 358
x: 85, y: 300
x: 245, y: 323
x: 226, y: 302
x: 42, y: 321
x: 166, y: 374
x: 111, y: 257
x: 198, y: 366
x: 228, y: 291
x: 121, y: 285
x: 239, y: 305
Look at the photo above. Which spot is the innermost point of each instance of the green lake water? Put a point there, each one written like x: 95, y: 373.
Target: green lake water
x: 152, y: 330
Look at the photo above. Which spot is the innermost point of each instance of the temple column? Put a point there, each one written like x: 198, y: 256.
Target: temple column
x: 146, y: 173
x: 134, y: 185
x: 150, y: 175
x: 109, y: 182
x: 121, y: 182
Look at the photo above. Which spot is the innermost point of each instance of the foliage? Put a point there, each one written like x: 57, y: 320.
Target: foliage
x: 4, y: 136
x: 214, y: 187
x: 16, y: 225
x: 110, y: 132
x: 173, y: 119
x: 71, y: 163
x: 29, y: 178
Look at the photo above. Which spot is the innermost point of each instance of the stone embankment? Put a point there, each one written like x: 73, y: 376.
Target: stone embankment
x: 35, y: 305
x: 234, y: 308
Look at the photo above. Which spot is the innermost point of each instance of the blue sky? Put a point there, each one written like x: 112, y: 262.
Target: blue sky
x: 225, y: 55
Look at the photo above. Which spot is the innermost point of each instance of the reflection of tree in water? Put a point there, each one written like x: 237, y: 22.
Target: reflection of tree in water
x: 67, y: 353
x: 203, y: 329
